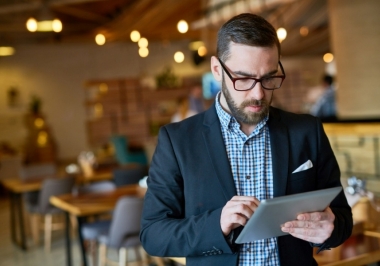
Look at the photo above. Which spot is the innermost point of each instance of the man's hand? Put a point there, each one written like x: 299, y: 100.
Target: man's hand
x: 314, y: 227
x: 236, y: 212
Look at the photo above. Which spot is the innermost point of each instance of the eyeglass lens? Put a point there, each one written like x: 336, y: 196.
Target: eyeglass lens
x: 267, y: 83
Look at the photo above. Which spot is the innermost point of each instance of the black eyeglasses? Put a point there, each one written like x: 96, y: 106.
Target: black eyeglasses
x: 247, y: 83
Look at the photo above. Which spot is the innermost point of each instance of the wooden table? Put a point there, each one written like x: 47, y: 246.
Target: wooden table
x: 16, y: 186
x: 363, y: 247
x: 90, y: 204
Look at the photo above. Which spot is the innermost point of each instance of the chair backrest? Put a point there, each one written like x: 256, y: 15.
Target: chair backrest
x: 125, y: 220
x: 101, y: 186
x: 123, y: 155
x: 129, y: 174
x: 53, y: 187
x: 37, y: 170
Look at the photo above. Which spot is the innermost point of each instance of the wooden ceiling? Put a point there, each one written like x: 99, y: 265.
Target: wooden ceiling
x: 157, y: 19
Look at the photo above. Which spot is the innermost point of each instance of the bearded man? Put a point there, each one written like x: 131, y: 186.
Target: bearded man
x: 210, y: 172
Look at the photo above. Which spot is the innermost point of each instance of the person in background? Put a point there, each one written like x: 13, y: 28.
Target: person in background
x: 325, y: 106
x: 210, y: 171
x: 196, y: 99
x: 183, y: 111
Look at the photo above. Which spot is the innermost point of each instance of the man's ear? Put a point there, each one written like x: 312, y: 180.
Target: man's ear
x: 216, y: 68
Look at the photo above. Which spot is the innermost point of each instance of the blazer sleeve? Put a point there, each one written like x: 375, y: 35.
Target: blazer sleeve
x: 167, y: 229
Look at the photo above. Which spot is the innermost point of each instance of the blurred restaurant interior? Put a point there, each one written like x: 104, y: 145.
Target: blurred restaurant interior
x: 85, y: 86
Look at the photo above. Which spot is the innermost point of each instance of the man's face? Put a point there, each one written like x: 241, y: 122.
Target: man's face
x: 248, y: 107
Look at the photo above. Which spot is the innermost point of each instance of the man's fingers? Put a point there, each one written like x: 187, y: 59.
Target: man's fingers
x: 327, y: 214
x: 237, y: 211
x: 303, y: 224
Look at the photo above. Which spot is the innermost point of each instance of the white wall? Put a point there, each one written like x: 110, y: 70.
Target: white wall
x: 57, y: 72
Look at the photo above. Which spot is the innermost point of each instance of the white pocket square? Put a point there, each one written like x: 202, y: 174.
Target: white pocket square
x: 304, y: 167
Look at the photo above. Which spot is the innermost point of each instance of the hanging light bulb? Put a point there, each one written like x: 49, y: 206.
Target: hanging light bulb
x: 135, y: 36
x: 328, y: 57
x: 100, y: 39
x: 179, y: 57
x: 31, y: 24
x: 281, y: 34
x: 56, y: 25
x: 182, y: 26
x: 143, y: 43
x: 143, y: 51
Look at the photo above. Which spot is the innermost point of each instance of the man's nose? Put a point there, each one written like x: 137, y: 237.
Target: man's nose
x: 257, y: 92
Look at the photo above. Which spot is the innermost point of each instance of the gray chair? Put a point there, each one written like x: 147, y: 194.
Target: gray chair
x: 90, y: 231
x: 50, y: 187
x: 33, y: 171
x: 124, y: 230
x: 129, y: 174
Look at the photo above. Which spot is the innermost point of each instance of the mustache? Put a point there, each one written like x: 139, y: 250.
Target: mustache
x: 254, y: 102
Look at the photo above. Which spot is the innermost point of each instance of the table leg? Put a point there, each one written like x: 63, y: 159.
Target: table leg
x: 17, y: 220
x: 13, y: 216
x: 81, y: 241
x: 21, y: 222
x: 68, y: 241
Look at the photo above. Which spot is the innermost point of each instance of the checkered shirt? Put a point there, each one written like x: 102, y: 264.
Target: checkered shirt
x: 251, y: 164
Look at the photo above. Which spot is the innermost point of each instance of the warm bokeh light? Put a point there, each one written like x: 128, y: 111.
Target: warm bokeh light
x: 39, y: 122
x: 42, y: 138
x: 98, y: 110
x: 143, y: 43
x: 45, y: 25
x: 103, y: 88
x: 7, y: 50
x: 31, y: 24
x: 135, y: 36
x: 143, y: 52
x: 182, y: 26
x: 179, y: 57
x: 304, y: 31
x: 56, y: 25
x: 100, y: 39
x: 328, y: 57
x: 281, y: 34
x: 194, y: 46
x: 202, y: 51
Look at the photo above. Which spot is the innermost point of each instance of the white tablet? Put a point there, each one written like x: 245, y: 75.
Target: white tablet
x: 271, y: 213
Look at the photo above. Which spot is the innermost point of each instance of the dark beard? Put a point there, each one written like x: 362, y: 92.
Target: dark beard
x: 250, y: 118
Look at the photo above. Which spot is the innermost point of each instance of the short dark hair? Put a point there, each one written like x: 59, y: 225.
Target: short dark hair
x: 328, y: 79
x: 248, y: 29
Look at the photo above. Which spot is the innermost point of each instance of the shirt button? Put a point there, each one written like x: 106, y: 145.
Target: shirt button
x: 248, y: 177
x: 248, y: 250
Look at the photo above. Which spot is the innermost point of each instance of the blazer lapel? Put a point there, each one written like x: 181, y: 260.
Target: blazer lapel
x: 280, y: 152
x: 217, y: 151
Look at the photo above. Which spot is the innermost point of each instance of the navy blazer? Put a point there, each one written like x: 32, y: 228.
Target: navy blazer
x: 190, y: 181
